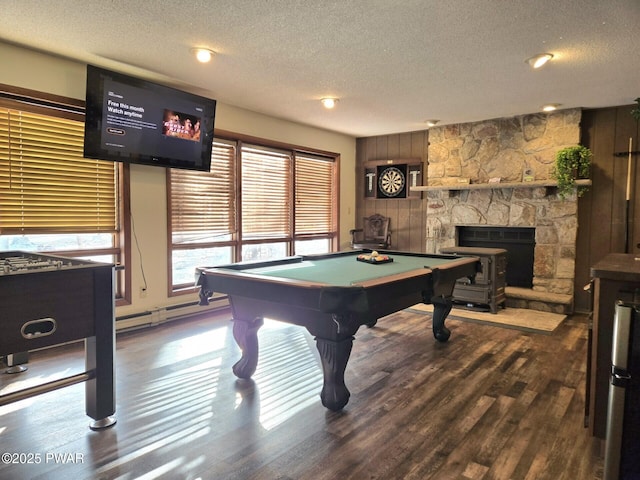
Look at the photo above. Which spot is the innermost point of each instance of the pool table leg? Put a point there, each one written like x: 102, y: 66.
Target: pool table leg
x: 334, y: 355
x: 246, y: 335
x: 441, y: 308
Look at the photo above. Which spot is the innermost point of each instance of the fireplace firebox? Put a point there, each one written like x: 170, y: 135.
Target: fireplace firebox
x: 519, y: 242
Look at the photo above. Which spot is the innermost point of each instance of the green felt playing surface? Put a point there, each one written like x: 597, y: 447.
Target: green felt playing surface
x: 346, y: 270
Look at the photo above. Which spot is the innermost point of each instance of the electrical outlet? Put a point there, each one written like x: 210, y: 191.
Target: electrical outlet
x: 143, y: 292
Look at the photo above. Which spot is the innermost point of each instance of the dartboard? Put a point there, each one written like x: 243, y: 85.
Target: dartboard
x: 391, y: 181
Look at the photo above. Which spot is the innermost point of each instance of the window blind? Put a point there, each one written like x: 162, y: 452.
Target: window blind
x: 45, y: 183
x: 314, y: 195
x: 266, y: 193
x: 203, y: 203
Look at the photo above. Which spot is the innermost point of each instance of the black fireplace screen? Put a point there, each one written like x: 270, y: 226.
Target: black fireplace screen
x: 519, y: 242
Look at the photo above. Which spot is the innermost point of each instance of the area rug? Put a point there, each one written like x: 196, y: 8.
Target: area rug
x: 517, y: 318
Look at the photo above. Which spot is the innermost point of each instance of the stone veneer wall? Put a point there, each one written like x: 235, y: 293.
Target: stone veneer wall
x: 504, y: 148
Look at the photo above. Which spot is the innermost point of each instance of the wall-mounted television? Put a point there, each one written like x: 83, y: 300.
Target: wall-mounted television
x: 132, y: 120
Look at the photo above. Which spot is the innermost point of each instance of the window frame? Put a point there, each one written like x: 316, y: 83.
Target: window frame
x: 236, y: 242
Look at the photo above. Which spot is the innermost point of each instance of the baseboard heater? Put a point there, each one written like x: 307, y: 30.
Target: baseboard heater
x: 159, y: 315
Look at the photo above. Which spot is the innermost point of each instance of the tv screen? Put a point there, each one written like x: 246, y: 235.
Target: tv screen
x: 132, y: 120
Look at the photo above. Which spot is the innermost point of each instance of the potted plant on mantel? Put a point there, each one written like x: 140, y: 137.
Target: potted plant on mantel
x: 571, y: 163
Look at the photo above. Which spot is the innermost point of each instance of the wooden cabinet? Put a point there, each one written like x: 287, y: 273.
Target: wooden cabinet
x: 615, y: 277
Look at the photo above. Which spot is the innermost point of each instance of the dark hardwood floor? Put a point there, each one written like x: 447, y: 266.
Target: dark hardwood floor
x: 492, y: 403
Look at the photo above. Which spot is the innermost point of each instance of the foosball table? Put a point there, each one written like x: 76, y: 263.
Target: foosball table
x: 49, y: 300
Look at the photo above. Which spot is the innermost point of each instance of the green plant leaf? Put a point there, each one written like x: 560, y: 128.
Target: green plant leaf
x: 635, y: 113
x: 571, y: 163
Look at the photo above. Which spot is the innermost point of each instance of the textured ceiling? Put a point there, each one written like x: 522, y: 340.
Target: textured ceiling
x: 392, y: 63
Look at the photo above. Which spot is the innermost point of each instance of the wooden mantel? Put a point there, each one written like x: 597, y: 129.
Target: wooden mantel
x: 495, y: 186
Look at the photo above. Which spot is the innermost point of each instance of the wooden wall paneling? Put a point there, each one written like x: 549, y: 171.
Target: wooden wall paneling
x: 393, y: 146
x: 382, y: 148
x: 582, y: 301
x: 601, y: 212
x: 361, y: 204
x: 627, y: 127
x: 618, y: 192
x: 370, y: 206
x: 380, y: 205
x: 419, y: 149
x: 412, y: 217
x: 408, y: 234
x: 635, y: 204
x: 606, y: 131
x: 407, y: 215
x: 402, y: 229
x: 404, y: 146
x: 361, y: 150
x: 604, y: 183
x: 406, y: 206
x: 395, y: 207
x: 595, y: 235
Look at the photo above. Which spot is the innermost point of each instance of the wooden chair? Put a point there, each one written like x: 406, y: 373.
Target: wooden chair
x: 375, y: 233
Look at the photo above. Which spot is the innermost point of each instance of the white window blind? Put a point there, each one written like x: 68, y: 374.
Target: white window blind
x: 266, y: 193
x: 314, y: 195
x: 46, y: 185
x: 203, y: 203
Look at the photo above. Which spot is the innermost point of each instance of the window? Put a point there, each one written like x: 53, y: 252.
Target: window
x: 257, y: 202
x: 202, y: 219
x: 315, y: 203
x: 52, y: 199
x: 266, y: 194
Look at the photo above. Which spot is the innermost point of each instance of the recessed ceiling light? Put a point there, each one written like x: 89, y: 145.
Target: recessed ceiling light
x: 539, y: 60
x: 550, y: 107
x: 203, y: 55
x: 329, y: 102
x: 431, y: 123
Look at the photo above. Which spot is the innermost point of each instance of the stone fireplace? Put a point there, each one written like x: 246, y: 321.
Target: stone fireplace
x: 520, y: 152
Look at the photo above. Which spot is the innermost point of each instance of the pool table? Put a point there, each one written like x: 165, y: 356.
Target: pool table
x: 332, y: 295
